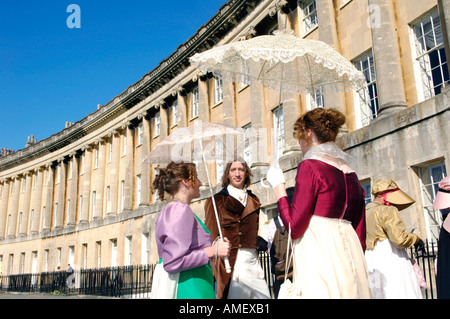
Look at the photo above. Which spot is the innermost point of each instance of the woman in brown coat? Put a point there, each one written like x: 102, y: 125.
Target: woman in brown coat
x: 238, y: 210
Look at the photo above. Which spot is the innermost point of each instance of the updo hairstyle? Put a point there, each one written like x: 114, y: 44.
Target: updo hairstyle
x: 325, y: 123
x: 168, y: 179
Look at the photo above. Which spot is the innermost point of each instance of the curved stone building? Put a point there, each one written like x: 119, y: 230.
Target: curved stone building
x: 82, y: 196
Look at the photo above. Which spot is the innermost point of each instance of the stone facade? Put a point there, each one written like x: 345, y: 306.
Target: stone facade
x: 82, y: 196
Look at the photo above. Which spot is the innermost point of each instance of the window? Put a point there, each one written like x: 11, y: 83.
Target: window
x: 309, y: 14
x: 140, y: 133
x: 248, y: 146
x: 96, y: 156
x: 122, y: 200
x: 55, y: 221
x: 157, y: 124
x: 94, y: 197
x: 70, y: 169
x: 32, y: 220
x: 84, y: 251
x: 58, y: 174
x: 46, y: 258
x: 195, y: 103
x: 22, y: 263
x: 367, y: 98
x: 58, y: 250
x: 138, y: 189
x: 429, y: 177
x: 278, y: 129
x: 317, y: 99
x: 430, y: 55
x: 108, y: 199
x: 113, y: 252
x: 82, y: 162
x: 367, y: 186
x: 99, y: 253
x: 128, y: 250
x: 174, y: 112
x: 145, y: 252
x: 68, y: 211
x: 218, y: 90
x: 71, y: 255
x: 80, y: 205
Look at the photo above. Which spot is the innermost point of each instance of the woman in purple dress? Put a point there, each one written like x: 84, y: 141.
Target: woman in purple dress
x: 327, y: 215
x: 184, y: 243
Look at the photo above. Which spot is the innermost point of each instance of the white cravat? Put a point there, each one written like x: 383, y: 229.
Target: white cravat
x: 240, y: 194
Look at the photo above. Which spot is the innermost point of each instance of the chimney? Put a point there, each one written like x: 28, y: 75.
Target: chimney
x: 31, y: 140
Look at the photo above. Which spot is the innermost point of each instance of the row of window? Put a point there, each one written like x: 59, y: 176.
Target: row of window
x: 56, y: 263
x: 430, y: 61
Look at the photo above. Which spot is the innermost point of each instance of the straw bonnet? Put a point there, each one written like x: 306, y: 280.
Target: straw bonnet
x: 442, y: 200
x: 391, y: 193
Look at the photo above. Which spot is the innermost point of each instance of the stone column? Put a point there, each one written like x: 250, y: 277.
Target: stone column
x: 291, y: 112
x: 328, y: 33
x: 386, y: 54
x: 4, y: 207
x: 12, y: 212
x: 113, y: 187
x: 86, y: 184
x: 37, y: 200
x: 47, y: 215
x: 73, y: 191
x: 259, y: 126
x: 129, y: 168
x: 228, y: 104
x: 204, y: 116
x: 145, y: 168
x: 100, y: 179
x: 26, y: 204
x: 60, y: 197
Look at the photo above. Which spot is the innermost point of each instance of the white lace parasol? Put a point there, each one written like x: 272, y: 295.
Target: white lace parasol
x: 283, y: 59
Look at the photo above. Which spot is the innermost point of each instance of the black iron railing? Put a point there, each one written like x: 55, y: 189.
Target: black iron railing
x: 136, y: 281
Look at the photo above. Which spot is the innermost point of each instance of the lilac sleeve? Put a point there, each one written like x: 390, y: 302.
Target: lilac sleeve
x: 181, y: 248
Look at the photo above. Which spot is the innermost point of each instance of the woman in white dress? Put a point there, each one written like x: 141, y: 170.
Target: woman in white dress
x: 390, y: 269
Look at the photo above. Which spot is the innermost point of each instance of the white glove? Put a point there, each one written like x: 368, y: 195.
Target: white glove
x: 275, y: 175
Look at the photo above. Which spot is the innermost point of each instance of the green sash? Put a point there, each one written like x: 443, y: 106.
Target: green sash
x: 197, y: 283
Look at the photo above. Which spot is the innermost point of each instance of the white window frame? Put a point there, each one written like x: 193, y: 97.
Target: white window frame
x: 174, y: 113
x: 140, y: 134
x: 157, y: 124
x: 424, y: 77
x: 366, y: 100
x: 309, y: 11
x: 218, y: 90
x: 195, y: 103
x: 428, y: 190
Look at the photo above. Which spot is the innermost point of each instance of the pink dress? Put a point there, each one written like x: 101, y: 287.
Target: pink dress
x: 327, y: 220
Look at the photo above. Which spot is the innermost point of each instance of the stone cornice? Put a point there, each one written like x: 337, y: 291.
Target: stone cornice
x: 206, y: 37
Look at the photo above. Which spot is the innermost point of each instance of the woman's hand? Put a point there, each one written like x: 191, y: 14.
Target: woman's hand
x: 220, y: 249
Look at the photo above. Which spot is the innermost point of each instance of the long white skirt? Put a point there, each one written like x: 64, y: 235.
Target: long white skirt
x: 247, y: 281
x: 391, y: 273
x: 329, y: 261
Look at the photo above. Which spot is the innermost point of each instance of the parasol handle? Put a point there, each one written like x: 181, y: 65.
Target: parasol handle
x: 227, y: 262
x: 264, y: 184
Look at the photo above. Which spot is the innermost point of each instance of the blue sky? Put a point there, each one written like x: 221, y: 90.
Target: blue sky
x: 50, y: 73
